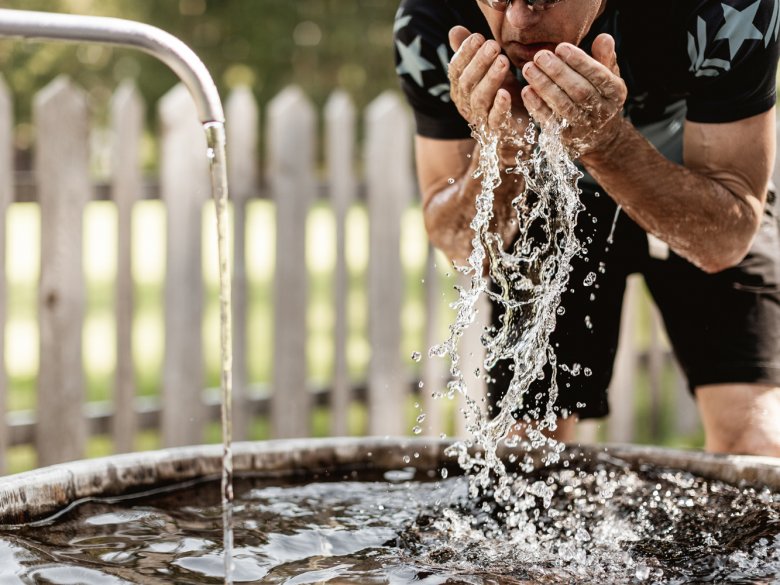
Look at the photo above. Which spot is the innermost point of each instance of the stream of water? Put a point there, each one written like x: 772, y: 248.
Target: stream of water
x: 215, y: 138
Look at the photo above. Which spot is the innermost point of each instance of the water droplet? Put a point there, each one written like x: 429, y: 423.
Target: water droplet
x: 588, y: 322
x: 582, y: 535
x: 561, y: 310
x: 420, y: 384
x: 416, y: 430
x: 642, y: 572
x: 589, y: 279
x: 444, y: 473
x: 587, y: 372
x: 416, y: 356
x: 451, y: 181
x: 407, y: 459
x: 421, y: 417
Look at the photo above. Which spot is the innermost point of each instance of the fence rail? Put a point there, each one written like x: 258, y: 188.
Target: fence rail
x: 60, y: 183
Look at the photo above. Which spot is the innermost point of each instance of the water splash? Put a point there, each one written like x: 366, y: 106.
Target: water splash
x: 636, y: 524
x: 530, y: 279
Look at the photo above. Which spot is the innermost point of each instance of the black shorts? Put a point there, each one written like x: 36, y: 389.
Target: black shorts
x: 724, y: 327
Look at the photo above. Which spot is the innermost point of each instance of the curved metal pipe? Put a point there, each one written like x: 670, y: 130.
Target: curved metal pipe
x: 124, y: 33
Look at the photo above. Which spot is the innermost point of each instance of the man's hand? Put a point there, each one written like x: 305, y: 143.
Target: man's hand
x: 482, y: 85
x: 587, y: 91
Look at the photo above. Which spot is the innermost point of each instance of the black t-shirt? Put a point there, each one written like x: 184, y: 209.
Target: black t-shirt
x: 709, y: 60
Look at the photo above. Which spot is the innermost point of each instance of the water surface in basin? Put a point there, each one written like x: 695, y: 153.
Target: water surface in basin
x: 605, y: 523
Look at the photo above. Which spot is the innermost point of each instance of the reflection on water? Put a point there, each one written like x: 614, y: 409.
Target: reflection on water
x: 605, y: 523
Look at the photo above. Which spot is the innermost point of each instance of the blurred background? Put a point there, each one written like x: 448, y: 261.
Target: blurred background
x: 263, y: 45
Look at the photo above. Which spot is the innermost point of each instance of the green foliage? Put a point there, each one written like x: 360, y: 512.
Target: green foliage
x: 266, y: 44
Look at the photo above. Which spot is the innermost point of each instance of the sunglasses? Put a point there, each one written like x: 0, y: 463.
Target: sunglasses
x: 502, y: 5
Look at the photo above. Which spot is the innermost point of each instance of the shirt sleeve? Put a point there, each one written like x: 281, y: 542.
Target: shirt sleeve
x: 422, y: 54
x: 733, y: 55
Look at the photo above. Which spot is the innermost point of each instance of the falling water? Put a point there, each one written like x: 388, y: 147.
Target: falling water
x: 215, y: 136
x: 531, y: 278
x: 611, y: 237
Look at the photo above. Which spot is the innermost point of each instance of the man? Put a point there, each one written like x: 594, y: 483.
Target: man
x: 671, y: 106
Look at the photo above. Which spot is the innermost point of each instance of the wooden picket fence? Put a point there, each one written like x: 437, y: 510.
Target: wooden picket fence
x: 62, y: 187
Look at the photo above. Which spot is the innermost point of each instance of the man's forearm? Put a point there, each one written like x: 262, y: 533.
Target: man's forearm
x: 448, y: 213
x: 700, y: 218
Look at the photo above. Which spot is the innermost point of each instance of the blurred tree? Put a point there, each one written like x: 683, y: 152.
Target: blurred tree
x: 266, y: 44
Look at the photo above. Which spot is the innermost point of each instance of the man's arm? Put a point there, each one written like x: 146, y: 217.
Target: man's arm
x: 445, y: 170
x: 487, y: 95
x: 708, y: 210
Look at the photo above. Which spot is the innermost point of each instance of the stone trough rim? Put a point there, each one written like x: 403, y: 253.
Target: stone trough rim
x: 39, y: 493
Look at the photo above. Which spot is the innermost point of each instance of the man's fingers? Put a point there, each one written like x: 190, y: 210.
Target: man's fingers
x: 457, y: 35
x: 499, y: 113
x: 464, y: 55
x: 604, y: 52
x: 535, y: 105
x: 484, y: 64
x: 597, y: 73
x: 561, y: 86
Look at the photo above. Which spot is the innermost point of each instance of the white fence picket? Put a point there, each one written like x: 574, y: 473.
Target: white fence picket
x: 62, y: 172
x: 242, y: 128
x: 655, y: 368
x: 434, y: 369
x: 686, y: 421
x: 184, y: 188
x: 623, y: 385
x: 472, y: 360
x: 389, y: 185
x: 339, y: 157
x: 291, y: 146
x: 6, y: 196
x: 127, y: 122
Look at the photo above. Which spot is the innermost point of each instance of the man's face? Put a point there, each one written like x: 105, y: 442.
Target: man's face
x: 522, y: 31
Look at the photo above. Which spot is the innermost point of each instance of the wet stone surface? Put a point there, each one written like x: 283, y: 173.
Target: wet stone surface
x: 604, y: 523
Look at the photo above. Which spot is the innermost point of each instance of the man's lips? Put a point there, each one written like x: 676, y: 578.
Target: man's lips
x: 525, y: 51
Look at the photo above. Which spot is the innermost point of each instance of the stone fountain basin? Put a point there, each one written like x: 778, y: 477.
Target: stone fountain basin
x: 33, y: 495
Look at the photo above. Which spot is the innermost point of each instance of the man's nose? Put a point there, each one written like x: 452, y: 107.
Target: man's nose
x: 520, y: 15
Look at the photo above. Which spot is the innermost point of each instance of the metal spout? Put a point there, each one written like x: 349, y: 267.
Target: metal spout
x: 124, y: 33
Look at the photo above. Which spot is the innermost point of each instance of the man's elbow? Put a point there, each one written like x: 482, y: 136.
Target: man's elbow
x: 719, y: 264
x: 730, y: 254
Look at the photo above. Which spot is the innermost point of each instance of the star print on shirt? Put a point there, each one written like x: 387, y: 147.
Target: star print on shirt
x: 697, y: 47
x: 412, y: 62
x: 442, y: 90
x: 739, y: 26
x: 737, y: 29
x: 401, y: 19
